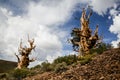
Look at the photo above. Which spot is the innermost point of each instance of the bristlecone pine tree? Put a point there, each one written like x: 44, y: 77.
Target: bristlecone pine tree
x: 82, y: 38
x: 23, y: 60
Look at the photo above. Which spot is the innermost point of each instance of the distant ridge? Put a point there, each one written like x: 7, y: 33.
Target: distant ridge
x: 7, y: 65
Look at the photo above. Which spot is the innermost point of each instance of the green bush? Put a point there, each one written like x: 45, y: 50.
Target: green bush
x: 20, y: 73
x: 86, y: 59
x: 101, y: 48
x: 70, y: 59
x: 61, y: 67
x: 46, y: 66
x: 60, y: 64
x: 37, y: 66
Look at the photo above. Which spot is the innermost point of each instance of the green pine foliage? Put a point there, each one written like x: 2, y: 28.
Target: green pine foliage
x: 101, y: 48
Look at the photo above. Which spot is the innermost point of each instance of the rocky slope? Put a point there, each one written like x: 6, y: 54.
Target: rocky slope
x: 102, y: 67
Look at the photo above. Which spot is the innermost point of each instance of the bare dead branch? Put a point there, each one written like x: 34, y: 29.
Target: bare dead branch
x: 24, y: 60
x: 33, y: 59
x: 17, y: 57
x: 84, y: 34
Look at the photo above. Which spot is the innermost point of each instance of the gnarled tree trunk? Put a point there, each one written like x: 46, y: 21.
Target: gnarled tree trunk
x: 82, y: 37
x: 23, y: 60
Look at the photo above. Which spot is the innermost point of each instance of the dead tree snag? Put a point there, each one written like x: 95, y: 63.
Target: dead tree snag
x: 82, y: 38
x: 23, y: 60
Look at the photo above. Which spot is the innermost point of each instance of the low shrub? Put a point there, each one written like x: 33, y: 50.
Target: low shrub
x: 70, y: 59
x: 20, y: 73
x: 36, y: 67
x: 45, y: 66
x: 86, y: 59
x: 61, y: 67
x: 101, y: 48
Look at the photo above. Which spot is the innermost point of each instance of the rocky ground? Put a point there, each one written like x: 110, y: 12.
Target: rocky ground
x: 102, y: 67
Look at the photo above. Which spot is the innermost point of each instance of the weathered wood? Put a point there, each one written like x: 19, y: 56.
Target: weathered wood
x: 84, y: 34
x: 24, y: 52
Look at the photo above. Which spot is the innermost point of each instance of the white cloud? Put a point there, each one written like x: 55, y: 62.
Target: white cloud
x: 40, y: 22
x: 115, y: 28
x: 113, y: 12
x: 101, y: 6
x: 56, y: 13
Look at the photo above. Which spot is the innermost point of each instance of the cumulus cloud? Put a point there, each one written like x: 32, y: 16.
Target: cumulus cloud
x: 111, y: 7
x: 40, y: 22
x: 115, y: 28
x: 102, y: 6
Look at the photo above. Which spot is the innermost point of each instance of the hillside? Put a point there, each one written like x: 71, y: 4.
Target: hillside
x: 105, y: 66
x: 7, y: 65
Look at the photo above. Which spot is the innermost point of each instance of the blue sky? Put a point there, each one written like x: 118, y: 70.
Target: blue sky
x: 50, y: 23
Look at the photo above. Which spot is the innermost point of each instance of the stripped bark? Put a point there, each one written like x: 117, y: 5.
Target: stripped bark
x: 83, y: 40
x: 24, y: 52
